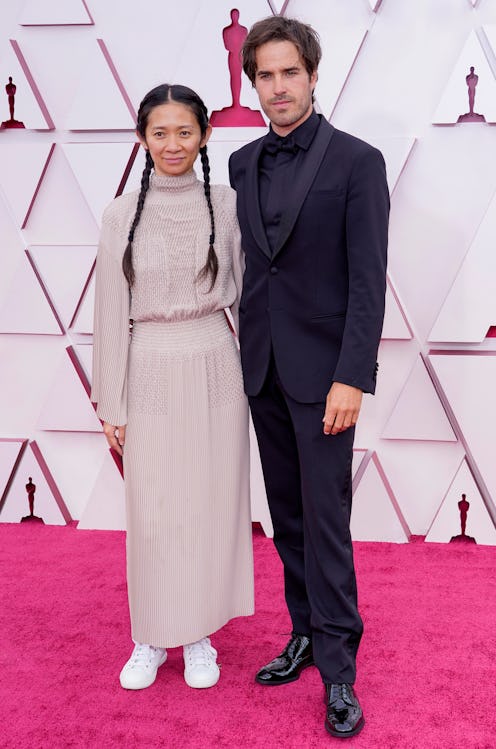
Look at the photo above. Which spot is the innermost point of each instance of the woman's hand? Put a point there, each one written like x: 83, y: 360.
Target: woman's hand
x: 116, y: 436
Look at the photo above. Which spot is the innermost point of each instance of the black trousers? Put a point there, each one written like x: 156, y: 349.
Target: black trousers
x: 308, y: 482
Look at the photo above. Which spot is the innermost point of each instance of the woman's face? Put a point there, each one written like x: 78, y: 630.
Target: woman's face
x: 174, y: 138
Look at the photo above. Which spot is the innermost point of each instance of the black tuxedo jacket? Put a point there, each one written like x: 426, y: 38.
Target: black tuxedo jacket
x: 318, y: 300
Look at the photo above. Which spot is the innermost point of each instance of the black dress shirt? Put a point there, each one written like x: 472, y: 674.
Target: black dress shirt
x: 278, y: 166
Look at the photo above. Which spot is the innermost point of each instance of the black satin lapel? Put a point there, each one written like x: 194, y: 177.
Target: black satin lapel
x: 253, y: 202
x: 300, y: 190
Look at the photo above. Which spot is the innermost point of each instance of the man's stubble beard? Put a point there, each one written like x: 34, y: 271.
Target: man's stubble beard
x: 289, y: 118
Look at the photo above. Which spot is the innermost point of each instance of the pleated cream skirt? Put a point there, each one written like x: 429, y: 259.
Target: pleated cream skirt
x: 186, y: 463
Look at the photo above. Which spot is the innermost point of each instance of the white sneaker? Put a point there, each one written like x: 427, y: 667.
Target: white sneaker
x: 141, y: 669
x: 200, y: 667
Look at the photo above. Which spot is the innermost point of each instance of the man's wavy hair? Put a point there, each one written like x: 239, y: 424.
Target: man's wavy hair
x: 280, y: 29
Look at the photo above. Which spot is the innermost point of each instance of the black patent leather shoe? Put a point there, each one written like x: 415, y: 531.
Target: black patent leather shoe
x: 344, y: 715
x: 288, y: 666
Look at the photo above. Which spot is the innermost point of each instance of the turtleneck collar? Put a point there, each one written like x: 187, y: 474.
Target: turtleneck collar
x: 179, y: 183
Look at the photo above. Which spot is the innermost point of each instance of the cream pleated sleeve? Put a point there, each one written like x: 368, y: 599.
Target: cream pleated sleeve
x: 111, y: 329
x: 238, y: 257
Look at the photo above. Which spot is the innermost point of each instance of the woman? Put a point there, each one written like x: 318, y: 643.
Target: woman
x: 170, y: 393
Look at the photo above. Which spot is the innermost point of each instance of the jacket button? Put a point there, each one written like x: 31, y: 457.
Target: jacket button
x: 274, y: 270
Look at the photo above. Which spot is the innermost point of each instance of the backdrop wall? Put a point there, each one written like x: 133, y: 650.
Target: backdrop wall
x: 393, y: 73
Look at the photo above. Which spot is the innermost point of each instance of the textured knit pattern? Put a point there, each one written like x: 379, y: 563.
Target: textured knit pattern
x: 176, y: 382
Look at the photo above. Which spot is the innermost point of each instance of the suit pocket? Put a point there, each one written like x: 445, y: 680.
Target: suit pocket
x: 337, y: 192
x: 332, y: 316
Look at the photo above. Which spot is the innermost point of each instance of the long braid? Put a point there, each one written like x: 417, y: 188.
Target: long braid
x: 212, y: 265
x: 156, y: 97
x: 127, y: 260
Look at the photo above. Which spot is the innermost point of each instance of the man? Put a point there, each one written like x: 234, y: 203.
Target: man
x: 313, y: 209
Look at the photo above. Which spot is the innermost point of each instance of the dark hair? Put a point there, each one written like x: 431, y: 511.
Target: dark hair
x: 154, y: 98
x: 280, y: 29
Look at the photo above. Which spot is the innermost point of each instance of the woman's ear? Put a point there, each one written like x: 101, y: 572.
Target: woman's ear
x: 206, y: 137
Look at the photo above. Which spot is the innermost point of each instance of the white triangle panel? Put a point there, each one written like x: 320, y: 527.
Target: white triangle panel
x: 333, y: 77
x: 23, y: 168
x: 27, y: 367
x: 419, y: 473
x: 490, y: 34
x: 469, y: 309
x: 29, y: 106
x: 342, y: 32
x: 467, y: 381
x: 396, y: 325
x: 396, y: 152
x: 418, y: 413
x: 12, y: 248
x: 99, y: 103
x: 106, y: 508
x: 60, y: 214
x: 46, y: 496
x: 84, y: 353
x: 447, y: 522
x: 396, y: 360
x: 68, y: 407
x: 65, y: 272
x: 375, y: 515
x: 83, y: 319
x: 99, y: 186
x: 10, y: 451
x: 454, y: 100
x: 55, y: 13
x: 75, y: 461
x: 25, y: 308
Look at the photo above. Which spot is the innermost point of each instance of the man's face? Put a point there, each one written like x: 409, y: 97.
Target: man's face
x: 283, y: 85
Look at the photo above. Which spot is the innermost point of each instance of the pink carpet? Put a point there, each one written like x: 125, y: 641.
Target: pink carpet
x: 427, y: 665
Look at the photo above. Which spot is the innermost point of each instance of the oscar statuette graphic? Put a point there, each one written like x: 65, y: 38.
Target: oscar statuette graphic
x: 463, y: 507
x: 471, y: 80
x: 11, y: 89
x: 235, y: 115
x: 30, y: 489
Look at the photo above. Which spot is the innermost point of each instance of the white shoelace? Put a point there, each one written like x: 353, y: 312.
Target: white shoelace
x: 200, y: 653
x: 142, y: 656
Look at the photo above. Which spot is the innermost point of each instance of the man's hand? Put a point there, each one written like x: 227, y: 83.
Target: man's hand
x: 343, y: 404
x: 116, y: 436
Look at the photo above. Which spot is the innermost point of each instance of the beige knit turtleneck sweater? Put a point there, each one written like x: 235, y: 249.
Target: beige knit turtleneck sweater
x: 169, y: 249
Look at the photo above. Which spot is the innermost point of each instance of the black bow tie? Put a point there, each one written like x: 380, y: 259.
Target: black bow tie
x: 274, y: 143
